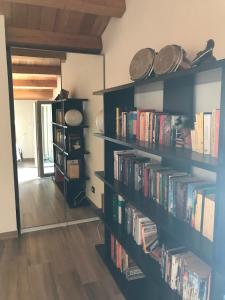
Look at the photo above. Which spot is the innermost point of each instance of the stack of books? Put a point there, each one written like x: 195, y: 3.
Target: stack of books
x: 143, y: 229
x: 188, y: 198
x: 123, y: 262
x: 186, y: 273
x: 59, y: 116
x: 59, y: 137
x: 154, y: 127
x: 205, y: 135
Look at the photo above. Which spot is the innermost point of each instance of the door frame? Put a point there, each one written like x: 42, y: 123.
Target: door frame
x: 39, y: 138
x: 13, y: 136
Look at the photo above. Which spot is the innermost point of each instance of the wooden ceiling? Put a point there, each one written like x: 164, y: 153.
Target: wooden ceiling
x: 69, y: 25
x: 36, y: 73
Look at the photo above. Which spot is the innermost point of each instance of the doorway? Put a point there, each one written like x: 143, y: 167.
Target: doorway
x: 45, y: 160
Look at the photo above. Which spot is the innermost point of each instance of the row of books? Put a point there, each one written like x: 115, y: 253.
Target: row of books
x: 123, y: 262
x: 59, y: 137
x: 154, y: 127
x: 143, y: 230
x: 186, y: 273
x: 205, y: 135
x: 171, y: 130
x: 188, y: 198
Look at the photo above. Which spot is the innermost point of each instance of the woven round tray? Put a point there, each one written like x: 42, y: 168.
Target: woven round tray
x: 168, y: 59
x: 141, y: 65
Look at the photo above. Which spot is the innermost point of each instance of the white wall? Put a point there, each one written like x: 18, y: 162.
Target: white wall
x: 81, y: 75
x: 7, y: 192
x: 24, y: 122
x: 158, y: 23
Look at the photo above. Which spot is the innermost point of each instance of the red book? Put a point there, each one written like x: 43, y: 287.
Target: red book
x: 112, y: 247
x: 138, y: 125
x: 161, y: 128
x: 142, y: 126
x: 146, y: 177
x: 216, y: 145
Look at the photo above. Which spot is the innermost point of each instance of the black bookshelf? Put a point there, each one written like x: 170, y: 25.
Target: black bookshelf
x: 70, y: 187
x: 178, y: 97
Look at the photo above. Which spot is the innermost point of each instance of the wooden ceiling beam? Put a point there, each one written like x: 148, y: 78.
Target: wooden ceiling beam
x: 33, y: 94
x: 38, y: 53
x: 35, y: 69
x: 29, y: 83
x: 110, y: 8
x: 52, y: 40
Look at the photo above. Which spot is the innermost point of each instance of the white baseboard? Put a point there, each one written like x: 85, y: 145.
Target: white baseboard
x: 58, y: 225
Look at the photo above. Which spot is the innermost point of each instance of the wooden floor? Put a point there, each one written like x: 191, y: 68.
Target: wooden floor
x: 42, y: 203
x: 58, y: 264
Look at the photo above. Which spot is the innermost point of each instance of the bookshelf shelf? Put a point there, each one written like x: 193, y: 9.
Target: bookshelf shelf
x: 59, y: 125
x: 181, y: 155
x: 71, y: 155
x: 58, y: 167
x: 69, y: 162
x: 70, y: 99
x: 58, y: 147
x: 175, y: 75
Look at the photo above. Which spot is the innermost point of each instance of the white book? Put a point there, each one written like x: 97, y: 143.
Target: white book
x: 207, y: 133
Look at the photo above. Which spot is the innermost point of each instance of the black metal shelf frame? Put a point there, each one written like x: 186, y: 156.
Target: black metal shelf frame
x: 178, y: 97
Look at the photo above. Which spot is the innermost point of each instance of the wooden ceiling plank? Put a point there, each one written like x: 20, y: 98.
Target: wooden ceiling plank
x: 26, y: 60
x: 33, y: 94
x: 110, y: 8
x: 35, y: 69
x: 100, y: 25
x: 19, y: 15
x: 6, y: 10
x: 48, y: 19
x: 74, y: 22
x: 52, y: 40
x: 87, y: 23
x: 30, y: 83
x: 38, y: 53
x: 34, y: 17
x: 62, y: 18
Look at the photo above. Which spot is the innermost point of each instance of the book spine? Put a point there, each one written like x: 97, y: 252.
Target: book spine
x: 207, y: 129
x: 134, y: 124
x: 121, y: 203
x: 138, y: 125
x: 217, y: 132
x: 117, y: 121
x: 147, y: 127
x: 161, y: 128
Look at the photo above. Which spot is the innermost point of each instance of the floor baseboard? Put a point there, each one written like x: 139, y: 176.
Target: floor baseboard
x: 8, y: 235
x: 58, y: 225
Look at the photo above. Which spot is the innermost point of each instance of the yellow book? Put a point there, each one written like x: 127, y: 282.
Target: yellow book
x: 208, y: 217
